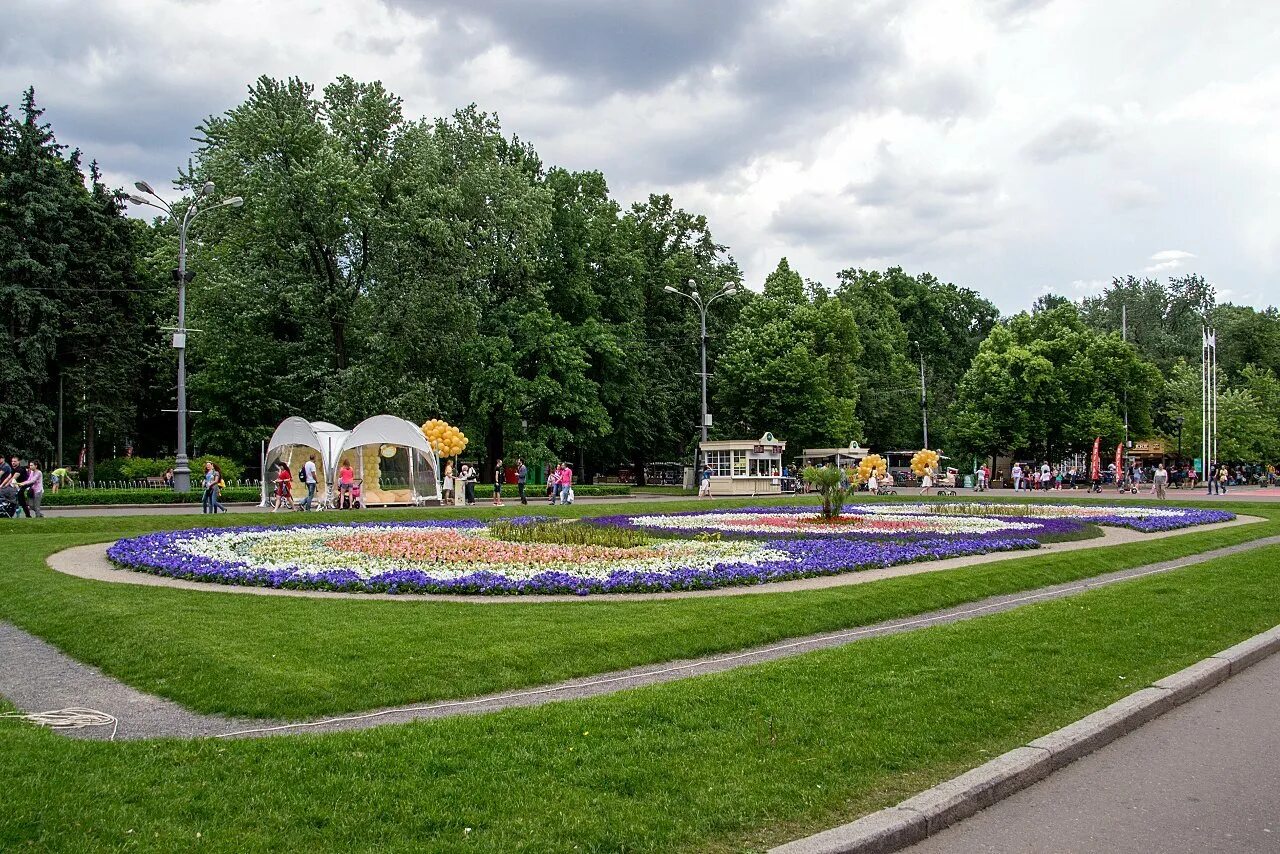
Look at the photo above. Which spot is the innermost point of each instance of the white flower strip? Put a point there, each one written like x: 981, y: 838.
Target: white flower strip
x: 858, y: 521
x: 306, y: 552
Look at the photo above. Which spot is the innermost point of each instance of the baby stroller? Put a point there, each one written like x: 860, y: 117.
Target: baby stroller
x: 8, y: 504
x: 283, y: 495
x: 947, y: 482
x: 351, y: 500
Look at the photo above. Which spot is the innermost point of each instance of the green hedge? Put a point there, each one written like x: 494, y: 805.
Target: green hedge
x: 509, y: 489
x: 141, y: 468
x: 74, y: 497
x: 78, y: 497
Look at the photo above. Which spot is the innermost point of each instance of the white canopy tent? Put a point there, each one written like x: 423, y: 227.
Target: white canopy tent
x: 394, y: 461
x: 293, y: 441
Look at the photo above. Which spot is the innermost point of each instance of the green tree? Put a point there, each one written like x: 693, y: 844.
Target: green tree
x: 1045, y: 384
x: 787, y: 366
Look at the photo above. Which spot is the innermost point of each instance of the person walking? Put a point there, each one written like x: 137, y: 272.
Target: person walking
x: 447, y: 492
x: 522, y: 479
x: 1159, y: 481
x: 557, y: 483
x: 469, y: 477
x: 704, y: 487
x: 1222, y: 482
x: 34, y: 485
x: 309, y: 478
x: 566, y: 485
x: 211, y: 478
x: 283, y: 481
x: 499, y: 475
x: 1046, y: 475
x: 1017, y: 477
x: 346, y: 484
x: 16, y: 477
x: 219, y: 484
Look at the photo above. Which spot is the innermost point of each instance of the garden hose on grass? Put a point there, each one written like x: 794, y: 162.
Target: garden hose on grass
x: 71, y: 718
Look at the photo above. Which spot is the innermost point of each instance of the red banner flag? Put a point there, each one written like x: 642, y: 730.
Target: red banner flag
x: 1119, y: 462
x: 1095, y: 463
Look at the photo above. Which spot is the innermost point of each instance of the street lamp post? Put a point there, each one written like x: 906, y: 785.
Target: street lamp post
x: 199, y: 205
x: 924, y: 401
x: 703, y: 305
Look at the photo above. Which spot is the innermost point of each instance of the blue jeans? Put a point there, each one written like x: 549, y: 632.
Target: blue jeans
x: 311, y: 493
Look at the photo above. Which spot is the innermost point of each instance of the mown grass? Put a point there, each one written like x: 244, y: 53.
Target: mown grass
x: 735, y: 761
x: 298, y: 657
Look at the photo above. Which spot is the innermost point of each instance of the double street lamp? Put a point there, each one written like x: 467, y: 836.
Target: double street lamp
x: 202, y: 203
x: 703, y: 304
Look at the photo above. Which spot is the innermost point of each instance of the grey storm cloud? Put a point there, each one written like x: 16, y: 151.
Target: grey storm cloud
x: 894, y: 212
x: 608, y: 46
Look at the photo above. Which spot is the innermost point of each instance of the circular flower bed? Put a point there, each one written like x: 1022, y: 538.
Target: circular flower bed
x: 686, y: 552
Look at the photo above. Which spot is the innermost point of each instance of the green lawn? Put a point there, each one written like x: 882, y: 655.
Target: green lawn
x: 725, y: 762
x: 294, y: 657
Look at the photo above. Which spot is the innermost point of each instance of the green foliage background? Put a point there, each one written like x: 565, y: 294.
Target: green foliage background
x: 436, y: 267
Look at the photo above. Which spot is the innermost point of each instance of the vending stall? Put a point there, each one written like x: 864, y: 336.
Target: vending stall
x: 744, y: 466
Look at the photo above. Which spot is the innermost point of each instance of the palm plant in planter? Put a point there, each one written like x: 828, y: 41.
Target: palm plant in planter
x: 828, y: 481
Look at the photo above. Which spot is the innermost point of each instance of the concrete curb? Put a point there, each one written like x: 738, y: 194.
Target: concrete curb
x: 948, y: 802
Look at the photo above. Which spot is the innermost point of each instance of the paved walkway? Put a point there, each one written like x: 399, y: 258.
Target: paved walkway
x: 1201, y: 779
x: 36, y: 677
x: 90, y: 561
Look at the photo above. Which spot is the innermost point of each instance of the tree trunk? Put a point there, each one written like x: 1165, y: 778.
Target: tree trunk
x: 493, y: 442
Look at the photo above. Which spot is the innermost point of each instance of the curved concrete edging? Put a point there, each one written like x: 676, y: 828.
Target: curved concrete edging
x: 36, y: 676
x: 934, y: 809
x: 91, y: 562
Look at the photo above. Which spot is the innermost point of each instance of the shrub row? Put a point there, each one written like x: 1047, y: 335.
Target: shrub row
x: 141, y: 468
x: 74, y: 497
x: 80, y: 497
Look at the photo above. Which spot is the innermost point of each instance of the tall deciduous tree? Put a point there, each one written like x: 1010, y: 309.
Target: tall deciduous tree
x: 1045, y: 384
x: 788, y: 365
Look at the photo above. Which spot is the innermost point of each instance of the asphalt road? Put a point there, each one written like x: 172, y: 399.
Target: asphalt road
x: 1202, y: 779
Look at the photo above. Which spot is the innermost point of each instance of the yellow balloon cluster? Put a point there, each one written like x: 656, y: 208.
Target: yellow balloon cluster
x: 872, y: 463
x: 924, y: 461
x: 447, y: 440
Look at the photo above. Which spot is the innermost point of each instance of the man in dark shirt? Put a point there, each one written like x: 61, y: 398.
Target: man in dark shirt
x: 10, y: 474
x: 522, y: 478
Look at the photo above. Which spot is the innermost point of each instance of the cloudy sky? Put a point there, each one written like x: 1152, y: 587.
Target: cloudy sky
x: 1012, y: 146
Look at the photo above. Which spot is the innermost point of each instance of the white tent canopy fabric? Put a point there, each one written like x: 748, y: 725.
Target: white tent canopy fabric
x: 293, y: 431
x: 395, y: 462
x: 331, y: 437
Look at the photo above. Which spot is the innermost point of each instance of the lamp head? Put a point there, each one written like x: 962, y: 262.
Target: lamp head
x: 671, y: 289
x: 144, y: 187
x: 137, y: 200
x: 234, y: 201
x: 207, y: 189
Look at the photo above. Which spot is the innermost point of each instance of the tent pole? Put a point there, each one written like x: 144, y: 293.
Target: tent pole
x: 262, y: 470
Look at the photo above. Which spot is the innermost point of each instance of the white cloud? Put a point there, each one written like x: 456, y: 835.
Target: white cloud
x: 996, y: 143
x: 1166, y: 260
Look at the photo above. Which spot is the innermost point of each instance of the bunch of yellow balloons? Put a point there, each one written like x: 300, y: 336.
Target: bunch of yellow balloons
x: 872, y: 463
x: 447, y: 440
x: 924, y: 461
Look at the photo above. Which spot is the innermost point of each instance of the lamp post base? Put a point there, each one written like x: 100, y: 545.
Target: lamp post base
x: 181, y: 475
